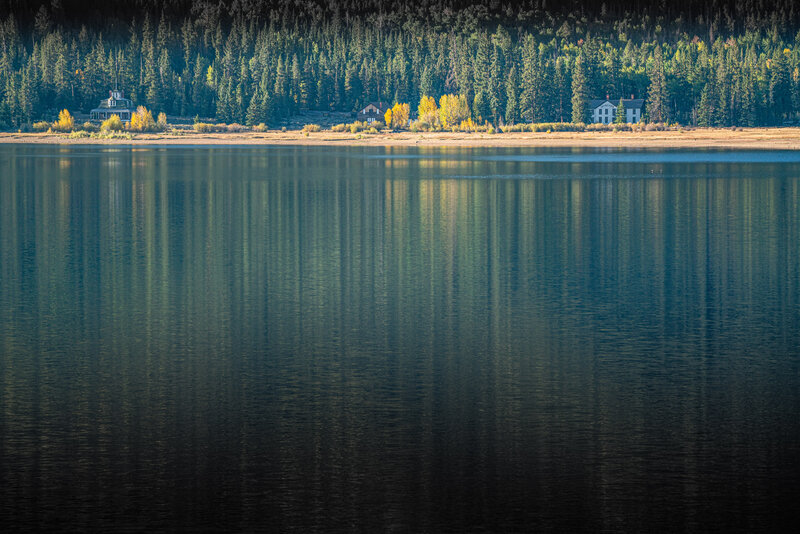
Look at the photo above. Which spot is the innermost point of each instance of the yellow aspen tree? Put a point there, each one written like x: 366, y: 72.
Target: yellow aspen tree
x: 399, y: 117
x: 65, y: 122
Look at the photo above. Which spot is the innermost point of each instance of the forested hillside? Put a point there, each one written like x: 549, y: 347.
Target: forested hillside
x: 714, y: 63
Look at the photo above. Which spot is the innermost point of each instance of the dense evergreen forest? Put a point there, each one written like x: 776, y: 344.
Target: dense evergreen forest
x: 709, y: 63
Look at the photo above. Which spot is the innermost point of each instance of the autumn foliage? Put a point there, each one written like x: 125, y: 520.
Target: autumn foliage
x: 142, y: 121
x: 65, y: 122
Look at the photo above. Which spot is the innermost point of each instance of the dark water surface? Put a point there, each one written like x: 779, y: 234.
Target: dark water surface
x: 368, y: 340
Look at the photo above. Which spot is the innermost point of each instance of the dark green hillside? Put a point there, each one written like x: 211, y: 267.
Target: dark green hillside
x: 250, y: 61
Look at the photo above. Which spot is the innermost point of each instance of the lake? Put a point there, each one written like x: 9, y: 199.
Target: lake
x: 398, y: 339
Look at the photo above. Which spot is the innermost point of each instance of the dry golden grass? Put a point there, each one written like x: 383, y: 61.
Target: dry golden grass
x: 752, y: 138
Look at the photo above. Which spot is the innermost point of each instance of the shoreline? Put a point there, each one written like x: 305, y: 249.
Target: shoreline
x: 719, y: 138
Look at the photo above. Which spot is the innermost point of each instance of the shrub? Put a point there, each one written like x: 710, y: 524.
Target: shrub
x: 372, y: 130
x: 655, y: 127
x: 359, y: 126
x: 142, y: 121
x: 106, y: 134
x: 80, y: 134
x: 260, y: 127
x: 599, y: 127
x: 283, y: 129
x: 422, y: 125
x: 339, y: 128
x: 203, y: 127
x: 234, y: 127
x: 311, y: 128
x: 65, y: 122
x: 162, y: 121
x: 112, y: 124
x: 41, y: 126
x: 89, y: 127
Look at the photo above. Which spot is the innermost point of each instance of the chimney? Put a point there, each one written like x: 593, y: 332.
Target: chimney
x: 631, y: 96
x: 608, y: 96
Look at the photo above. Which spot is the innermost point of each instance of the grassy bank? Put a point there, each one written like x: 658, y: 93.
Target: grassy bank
x: 742, y: 138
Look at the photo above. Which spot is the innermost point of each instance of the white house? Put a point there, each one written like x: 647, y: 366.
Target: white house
x: 605, y: 111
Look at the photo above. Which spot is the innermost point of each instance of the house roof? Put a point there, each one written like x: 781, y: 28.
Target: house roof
x: 629, y: 103
x: 121, y: 103
x: 118, y: 97
x: 382, y: 106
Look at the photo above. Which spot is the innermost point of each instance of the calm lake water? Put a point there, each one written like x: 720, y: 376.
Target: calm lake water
x: 409, y: 340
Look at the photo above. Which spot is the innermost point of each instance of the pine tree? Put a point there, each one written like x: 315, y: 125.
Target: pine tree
x: 620, y: 116
x: 657, y: 93
x: 512, y: 113
x: 531, y: 93
x: 779, y: 89
x: 580, y: 101
x: 705, y: 113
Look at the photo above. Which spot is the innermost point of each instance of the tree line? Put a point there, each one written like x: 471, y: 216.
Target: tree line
x: 259, y: 62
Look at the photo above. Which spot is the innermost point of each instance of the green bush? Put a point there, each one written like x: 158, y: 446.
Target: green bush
x: 41, y: 126
x: 106, y: 134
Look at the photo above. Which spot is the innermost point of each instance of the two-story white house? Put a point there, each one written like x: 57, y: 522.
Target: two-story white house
x: 605, y: 111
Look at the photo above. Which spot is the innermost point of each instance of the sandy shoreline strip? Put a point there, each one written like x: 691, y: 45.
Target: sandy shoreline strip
x: 747, y: 138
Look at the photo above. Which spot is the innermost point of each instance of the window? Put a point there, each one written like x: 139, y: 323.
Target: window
x: 112, y: 103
